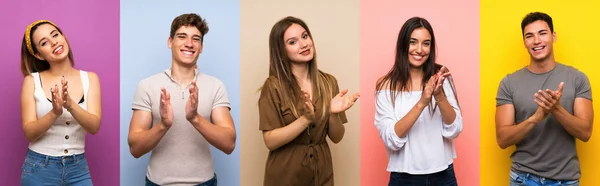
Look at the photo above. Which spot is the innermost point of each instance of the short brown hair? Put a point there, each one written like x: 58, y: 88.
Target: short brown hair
x: 189, y: 20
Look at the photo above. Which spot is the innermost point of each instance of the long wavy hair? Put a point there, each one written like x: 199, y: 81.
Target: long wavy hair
x: 280, y: 66
x: 398, y: 78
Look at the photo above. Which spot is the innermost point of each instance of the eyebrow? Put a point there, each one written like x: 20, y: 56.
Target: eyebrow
x: 184, y: 34
x: 305, y: 32
x: 39, y: 42
x: 542, y: 30
x: 412, y: 38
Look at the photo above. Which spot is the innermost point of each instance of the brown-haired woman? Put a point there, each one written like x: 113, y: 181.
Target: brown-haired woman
x: 299, y: 107
x: 59, y: 105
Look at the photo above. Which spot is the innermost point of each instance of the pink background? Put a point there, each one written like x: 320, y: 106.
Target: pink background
x: 92, y: 28
x: 456, y: 27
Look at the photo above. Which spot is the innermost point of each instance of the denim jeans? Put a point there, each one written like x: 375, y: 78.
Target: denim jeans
x: 527, y: 179
x: 211, y: 182
x: 39, y: 169
x: 443, y: 178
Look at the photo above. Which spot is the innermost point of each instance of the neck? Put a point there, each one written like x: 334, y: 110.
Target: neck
x: 61, y: 68
x: 542, y: 66
x: 183, y: 74
x: 416, y: 73
x: 300, y: 71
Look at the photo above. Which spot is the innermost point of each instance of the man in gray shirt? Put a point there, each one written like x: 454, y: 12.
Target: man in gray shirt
x: 541, y: 109
x: 178, y: 120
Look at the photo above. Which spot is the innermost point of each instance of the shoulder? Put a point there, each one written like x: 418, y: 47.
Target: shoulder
x: 208, y: 79
x: 328, y: 77
x: 570, y: 70
x: 271, y: 83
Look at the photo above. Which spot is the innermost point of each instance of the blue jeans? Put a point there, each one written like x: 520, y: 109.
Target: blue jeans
x: 211, y: 182
x: 39, y: 169
x: 527, y: 179
x: 443, y: 178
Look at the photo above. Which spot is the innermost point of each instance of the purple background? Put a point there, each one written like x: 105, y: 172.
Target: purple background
x: 92, y: 28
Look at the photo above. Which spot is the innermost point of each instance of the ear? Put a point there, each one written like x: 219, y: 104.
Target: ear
x: 170, y: 42
x: 554, y: 37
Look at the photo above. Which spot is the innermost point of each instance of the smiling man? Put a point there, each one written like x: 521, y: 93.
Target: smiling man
x: 542, y: 109
x: 179, y: 113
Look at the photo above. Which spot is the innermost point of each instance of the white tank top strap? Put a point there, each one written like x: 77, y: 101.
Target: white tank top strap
x: 85, y: 82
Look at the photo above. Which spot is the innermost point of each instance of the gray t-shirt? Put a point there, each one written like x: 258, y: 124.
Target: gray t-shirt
x: 182, y: 157
x: 548, y: 150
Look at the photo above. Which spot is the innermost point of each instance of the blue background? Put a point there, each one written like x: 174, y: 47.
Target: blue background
x: 145, y: 27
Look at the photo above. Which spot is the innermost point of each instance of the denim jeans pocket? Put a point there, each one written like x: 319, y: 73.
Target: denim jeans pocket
x: 31, y: 166
x: 516, y: 179
x: 82, y: 165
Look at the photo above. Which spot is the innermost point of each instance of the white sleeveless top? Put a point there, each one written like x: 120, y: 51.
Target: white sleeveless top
x: 65, y: 137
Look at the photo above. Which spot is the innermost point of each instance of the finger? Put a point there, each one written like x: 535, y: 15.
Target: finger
x: 545, y: 95
x: 443, y: 69
x: 343, y: 92
x: 541, y: 98
x: 560, y: 87
x: 446, y: 74
x: 540, y: 104
x: 167, y: 96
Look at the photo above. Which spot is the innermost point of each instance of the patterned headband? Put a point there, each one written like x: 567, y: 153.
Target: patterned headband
x: 28, y: 33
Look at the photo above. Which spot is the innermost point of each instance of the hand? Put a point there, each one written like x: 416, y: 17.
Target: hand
x: 539, y: 115
x: 191, y: 107
x: 166, y: 111
x: 342, y: 102
x: 67, y: 102
x: 440, y: 76
x: 549, y: 100
x: 57, y: 107
x: 427, y: 92
x: 309, y: 109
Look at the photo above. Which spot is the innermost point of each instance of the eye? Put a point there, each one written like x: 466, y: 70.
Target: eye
x: 412, y: 42
x: 304, y: 36
x: 55, y: 35
x: 292, y: 42
x: 44, y: 43
x: 426, y: 44
x: 181, y: 36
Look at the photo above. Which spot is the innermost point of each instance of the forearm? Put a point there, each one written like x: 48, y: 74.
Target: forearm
x: 279, y: 137
x: 33, y: 130
x: 142, y: 142
x: 403, y: 125
x: 574, y: 125
x: 223, y: 138
x: 513, y: 134
x: 89, y: 122
x: 448, y: 112
x: 336, y: 129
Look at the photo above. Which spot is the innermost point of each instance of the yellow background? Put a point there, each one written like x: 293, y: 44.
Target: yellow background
x: 502, y: 52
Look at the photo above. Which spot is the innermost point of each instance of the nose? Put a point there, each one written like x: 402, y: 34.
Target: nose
x: 53, y: 42
x: 303, y: 43
x: 189, y: 43
x: 420, y: 48
x: 536, y: 40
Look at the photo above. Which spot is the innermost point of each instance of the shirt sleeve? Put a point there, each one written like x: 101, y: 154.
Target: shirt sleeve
x: 385, y: 121
x: 339, y: 118
x: 583, y: 89
x: 270, y: 116
x: 221, y: 99
x: 504, y: 95
x: 451, y: 131
x: 141, y: 98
